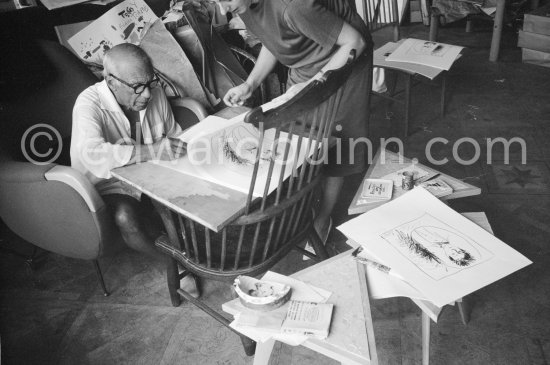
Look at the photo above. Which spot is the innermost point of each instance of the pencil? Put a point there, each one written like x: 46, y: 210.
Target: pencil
x: 371, y: 263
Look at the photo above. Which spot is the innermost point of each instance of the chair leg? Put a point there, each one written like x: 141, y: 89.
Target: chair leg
x: 425, y: 339
x: 464, y: 310
x: 434, y: 26
x: 391, y: 83
x: 100, y: 277
x: 263, y: 352
x: 173, y: 280
x: 248, y: 345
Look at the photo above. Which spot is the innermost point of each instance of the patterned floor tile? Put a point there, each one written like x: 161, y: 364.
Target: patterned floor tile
x: 515, y: 178
x: 32, y: 330
x: 119, y: 334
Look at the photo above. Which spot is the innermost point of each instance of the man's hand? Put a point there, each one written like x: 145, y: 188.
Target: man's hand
x: 171, y: 149
x: 165, y: 149
x: 237, y: 95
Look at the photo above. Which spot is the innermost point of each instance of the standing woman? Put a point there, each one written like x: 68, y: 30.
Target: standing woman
x: 312, y: 36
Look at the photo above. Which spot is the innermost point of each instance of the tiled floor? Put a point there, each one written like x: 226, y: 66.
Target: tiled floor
x: 57, y: 314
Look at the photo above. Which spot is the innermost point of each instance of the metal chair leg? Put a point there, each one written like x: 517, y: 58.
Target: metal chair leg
x: 100, y: 277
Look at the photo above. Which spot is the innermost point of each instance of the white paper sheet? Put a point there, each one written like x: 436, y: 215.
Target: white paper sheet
x: 382, y: 285
x: 428, y: 53
x: 380, y: 57
x: 300, y: 291
x: 441, y: 253
x: 223, y: 152
x: 125, y: 22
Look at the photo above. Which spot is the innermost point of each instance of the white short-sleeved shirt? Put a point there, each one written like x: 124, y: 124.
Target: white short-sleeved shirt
x: 100, y: 138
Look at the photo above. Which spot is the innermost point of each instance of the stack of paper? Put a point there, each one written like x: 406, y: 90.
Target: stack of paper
x: 427, y: 53
x: 265, y: 325
x: 308, y: 318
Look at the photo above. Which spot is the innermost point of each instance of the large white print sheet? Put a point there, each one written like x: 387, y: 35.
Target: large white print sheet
x: 440, y: 253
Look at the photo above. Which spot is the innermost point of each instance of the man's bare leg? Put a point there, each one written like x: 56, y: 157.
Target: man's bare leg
x: 131, y: 219
x: 331, y: 191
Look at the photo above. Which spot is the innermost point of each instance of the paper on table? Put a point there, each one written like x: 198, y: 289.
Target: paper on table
x: 289, y: 94
x: 300, y: 291
x: 382, y: 285
x: 380, y: 57
x: 442, y: 254
x: 434, y: 54
x: 224, y: 152
x: 207, y: 125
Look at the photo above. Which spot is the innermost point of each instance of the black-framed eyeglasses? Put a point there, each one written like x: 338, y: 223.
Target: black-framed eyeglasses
x: 139, y: 88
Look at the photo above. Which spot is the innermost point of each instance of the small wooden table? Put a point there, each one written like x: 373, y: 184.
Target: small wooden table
x: 385, y: 162
x: 207, y: 203
x: 412, y: 72
x: 351, y: 337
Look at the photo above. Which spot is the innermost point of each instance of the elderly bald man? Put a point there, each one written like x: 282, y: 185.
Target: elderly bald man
x: 122, y: 120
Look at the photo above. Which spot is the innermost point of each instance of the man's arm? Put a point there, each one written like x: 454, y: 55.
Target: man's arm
x: 349, y: 39
x: 166, y: 149
x: 265, y: 63
x: 89, y: 149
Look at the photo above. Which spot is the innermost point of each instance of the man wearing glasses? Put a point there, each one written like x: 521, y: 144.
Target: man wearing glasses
x: 122, y: 120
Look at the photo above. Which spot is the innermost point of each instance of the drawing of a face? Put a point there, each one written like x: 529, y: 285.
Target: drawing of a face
x: 460, y: 256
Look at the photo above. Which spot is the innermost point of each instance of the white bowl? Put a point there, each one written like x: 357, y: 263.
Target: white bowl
x: 261, y: 295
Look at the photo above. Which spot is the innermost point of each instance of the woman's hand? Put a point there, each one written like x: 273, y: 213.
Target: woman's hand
x: 237, y: 95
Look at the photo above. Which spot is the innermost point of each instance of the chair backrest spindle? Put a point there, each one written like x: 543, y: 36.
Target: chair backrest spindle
x: 273, y: 223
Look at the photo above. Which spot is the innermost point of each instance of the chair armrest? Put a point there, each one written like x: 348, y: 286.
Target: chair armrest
x: 79, y: 183
x: 189, y: 103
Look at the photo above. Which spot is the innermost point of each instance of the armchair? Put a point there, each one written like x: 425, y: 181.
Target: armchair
x: 50, y: 204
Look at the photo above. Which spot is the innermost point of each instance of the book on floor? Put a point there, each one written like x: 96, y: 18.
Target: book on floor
x: 308, y: 318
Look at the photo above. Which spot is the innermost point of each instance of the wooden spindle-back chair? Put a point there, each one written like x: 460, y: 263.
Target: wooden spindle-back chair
x: 379, y: 14
x: 274, y: 223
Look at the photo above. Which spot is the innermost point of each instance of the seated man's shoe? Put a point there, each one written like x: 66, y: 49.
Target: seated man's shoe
x: 190, y: 284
